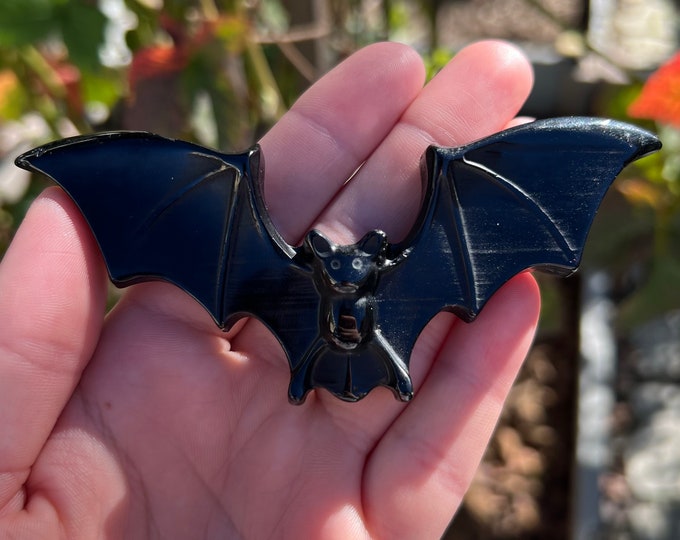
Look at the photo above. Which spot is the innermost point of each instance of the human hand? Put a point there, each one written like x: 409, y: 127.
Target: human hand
x: 153, y: 423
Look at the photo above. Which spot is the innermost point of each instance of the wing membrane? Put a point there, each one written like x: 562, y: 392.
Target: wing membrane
x: 520, y: 199
x: 169, y: 210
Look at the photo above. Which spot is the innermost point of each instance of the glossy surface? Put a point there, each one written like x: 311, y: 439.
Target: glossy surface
x: 347, y: 316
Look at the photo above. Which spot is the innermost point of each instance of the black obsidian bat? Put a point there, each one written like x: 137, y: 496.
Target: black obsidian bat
x: 347, y: 316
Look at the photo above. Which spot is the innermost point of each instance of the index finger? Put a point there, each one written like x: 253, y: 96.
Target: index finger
x: 333, y: 128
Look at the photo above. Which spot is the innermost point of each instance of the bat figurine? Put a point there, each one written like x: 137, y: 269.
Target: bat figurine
x: 347, y: 316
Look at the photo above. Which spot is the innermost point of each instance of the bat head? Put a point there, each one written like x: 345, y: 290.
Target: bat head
x: 347, y: 268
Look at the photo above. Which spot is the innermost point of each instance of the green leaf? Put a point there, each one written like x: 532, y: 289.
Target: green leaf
x: 105, y: 87
x: 656, y: 296
x: 436, y: 60
x: 82, y: 28
x: 23, y: 22
x: 79, y: 23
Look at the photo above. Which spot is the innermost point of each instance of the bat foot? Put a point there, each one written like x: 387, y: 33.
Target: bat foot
x: 403, y: 390
x: 297, y: 393
x: 350, y: 376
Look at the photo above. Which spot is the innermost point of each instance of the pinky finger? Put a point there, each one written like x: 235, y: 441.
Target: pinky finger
x: 421, y: 469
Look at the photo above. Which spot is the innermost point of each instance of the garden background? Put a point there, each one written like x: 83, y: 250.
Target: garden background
x: 589, y: 443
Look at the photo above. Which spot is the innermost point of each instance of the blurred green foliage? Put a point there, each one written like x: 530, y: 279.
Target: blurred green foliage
x: 221, y: 72
x: 655, y: 191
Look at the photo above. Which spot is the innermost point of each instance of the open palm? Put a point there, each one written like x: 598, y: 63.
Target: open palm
x: 152, y: 423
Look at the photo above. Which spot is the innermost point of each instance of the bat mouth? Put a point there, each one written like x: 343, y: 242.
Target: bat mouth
x: 346, y: 287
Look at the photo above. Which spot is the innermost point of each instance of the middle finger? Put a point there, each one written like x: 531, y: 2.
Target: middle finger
x: 475, y: 95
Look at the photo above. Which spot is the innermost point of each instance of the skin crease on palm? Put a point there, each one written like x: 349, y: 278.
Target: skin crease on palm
x: 152, y: 423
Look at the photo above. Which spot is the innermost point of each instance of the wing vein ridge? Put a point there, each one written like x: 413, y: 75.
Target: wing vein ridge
x: 177, y: 195
x: 467, y: 265
x: 223, y: 268
x: 528, y: 202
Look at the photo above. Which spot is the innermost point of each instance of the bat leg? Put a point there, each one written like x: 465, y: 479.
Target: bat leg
x: 301, y: 375
x: 350, y: 375
x: 376, y: 365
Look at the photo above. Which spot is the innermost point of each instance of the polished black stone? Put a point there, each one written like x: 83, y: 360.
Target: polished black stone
x: 347, y: 316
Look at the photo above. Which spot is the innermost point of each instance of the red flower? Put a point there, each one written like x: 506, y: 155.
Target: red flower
x: 157, y: 61
x: 64, y: 83
x: 660, y: 96
x: 163, y: 61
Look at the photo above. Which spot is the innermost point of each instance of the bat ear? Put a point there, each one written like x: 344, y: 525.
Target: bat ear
x: 319, y: 244
x: 373, y: 242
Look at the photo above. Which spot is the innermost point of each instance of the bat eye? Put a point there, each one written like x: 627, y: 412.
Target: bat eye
x: 336, y: 264
x: 357, y: 263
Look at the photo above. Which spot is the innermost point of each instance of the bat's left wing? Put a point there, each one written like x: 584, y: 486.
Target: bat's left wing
x: 521, y: 199
x: 164, y: 209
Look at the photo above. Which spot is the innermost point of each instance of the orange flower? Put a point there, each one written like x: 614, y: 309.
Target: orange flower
x: 153, y: 62
x: 8, y: 85
x: 167, y: 60
x: 660, y: 96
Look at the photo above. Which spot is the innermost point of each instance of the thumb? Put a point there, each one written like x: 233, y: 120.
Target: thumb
x: 52, y: 298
